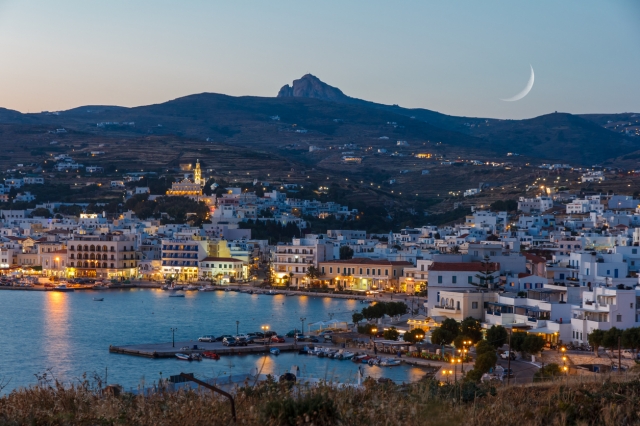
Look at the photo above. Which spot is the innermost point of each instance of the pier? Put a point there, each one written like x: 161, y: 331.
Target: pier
x: 167, y: 350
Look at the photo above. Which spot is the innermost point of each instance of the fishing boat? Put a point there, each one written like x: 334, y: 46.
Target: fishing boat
x: 360, y: 358
x: 274, y: 351
x: 210, y: 355
x: 345, y: 355
x: 183, y: 357
x: 176, y: 295
x: 98, y: 299
x: 62, y: 288
x: 389, y: 362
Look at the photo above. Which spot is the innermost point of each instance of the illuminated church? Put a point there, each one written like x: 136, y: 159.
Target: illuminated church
x: 188, y: 188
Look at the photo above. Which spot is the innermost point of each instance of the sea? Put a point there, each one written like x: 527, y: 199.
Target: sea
x: 67, y: 335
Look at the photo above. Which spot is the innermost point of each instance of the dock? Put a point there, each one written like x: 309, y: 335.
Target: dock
x: 167, y: 350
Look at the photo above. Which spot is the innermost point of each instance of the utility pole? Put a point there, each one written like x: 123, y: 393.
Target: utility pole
x: 619, y: 358
x: 173, y: 336
x: 509, y: 358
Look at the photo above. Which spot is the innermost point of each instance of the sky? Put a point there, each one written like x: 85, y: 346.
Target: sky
x: 458, y: 58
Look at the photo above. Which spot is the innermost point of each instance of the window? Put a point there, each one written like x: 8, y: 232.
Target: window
x: 631, y: 305
x: 367, y: 271
x: 562, y: 276
x: 618, y: 318
x: 394, y: 272
x: 386, y: 272
x: 338, y: 269
x: 474, y: 305
x: 331, y: 269
x: 439, y: 279
x: 360, y: 271
x: 323, y: 269
x: 470, y: 279
x: 378, y: 271
x: 634, y: 251
x: 438, y: 297
x: 454, y: 279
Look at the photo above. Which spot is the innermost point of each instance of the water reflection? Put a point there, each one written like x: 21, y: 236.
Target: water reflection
x: 57, y: 348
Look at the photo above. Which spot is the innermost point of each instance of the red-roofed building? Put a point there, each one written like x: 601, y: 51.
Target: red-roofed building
x: 363, y: 273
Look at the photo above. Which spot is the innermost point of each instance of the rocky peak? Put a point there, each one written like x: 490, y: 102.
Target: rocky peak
x: 310, y: 86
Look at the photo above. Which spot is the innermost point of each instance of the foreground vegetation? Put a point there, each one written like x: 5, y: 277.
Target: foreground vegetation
x: 272, y: 403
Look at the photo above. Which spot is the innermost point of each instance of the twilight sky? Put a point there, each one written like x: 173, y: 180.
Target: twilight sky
x: 454, y: 57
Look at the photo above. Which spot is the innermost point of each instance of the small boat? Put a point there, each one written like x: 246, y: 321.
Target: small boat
x: 274, y: 351
x: 63, y: 288
x: 98, y: 299
x: 303, y: 351
x: 346, y: 355
x: 389, y: 362
x: 176, y: 295
x: 191, y: 288
x: 211, y: 355
x: 195, y: 357
x: 183, y: 357
x: 360, y: 358
x: 321, y: 354
x: 207, y: 288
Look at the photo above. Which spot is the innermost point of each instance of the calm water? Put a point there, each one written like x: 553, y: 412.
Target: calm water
x: 70, y: 334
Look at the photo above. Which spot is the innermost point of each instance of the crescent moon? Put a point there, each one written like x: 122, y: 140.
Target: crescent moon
x: 525, y: 91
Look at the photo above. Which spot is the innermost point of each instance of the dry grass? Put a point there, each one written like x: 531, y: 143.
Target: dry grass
x: 424, y: 403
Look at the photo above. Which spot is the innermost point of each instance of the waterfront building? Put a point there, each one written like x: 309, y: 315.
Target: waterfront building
x: 363, y: 274
x: 112, y: 255
x: 180, y: 258
x: 222, y: 269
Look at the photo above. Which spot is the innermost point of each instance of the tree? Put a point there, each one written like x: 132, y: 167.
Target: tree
x: 313, y: 273
x: 471, y: 329
x: 41, y: 212
x: 631, y: 338
x: 391, y: 333
x: 346, y: 253
x: 497, y: 336
x: 357, y: 317
x: 367, y: 329
x: 441, y: 336
x: 485, y: 362
x: 595, y: 339
x: 533, y: 344
x: 414, y: 336
x: 517, y: 341
x: 484, y: 346
x: 451, y: 326
x: 611, y: 336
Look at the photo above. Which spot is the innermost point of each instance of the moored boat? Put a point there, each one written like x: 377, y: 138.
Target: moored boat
x: 63, y: 288
x: 274, y: 351
x: 389, y: 362
x: 98, y: 299
x: 210, y: 355
x: 183, y: 357
x: 176, y: 295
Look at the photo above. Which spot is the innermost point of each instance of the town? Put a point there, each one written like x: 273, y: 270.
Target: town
x: 559, y: 267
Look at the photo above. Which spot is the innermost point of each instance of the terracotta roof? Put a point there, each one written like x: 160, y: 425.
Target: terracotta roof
x: 220, y: 259
x: 535, y: 258
x: 367, y: 261
x: 463, y: 266
x: 523, y: 275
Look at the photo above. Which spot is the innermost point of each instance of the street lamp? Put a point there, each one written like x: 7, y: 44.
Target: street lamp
x: 237, y: 327
x: 265, y: 328
x: 302, y: 319
x: 173, y: 336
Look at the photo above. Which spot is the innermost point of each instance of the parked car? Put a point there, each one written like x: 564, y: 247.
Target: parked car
x: 241, y: 336
x: 507, y: 354
x: 229, y: 341
x: 207, y: 338
x: 221, y: 338
x: 292, y: 333
x: 277, y: 339
x: 299, y: 336
x: 311, y: 339
x: 185, y: 348
x: 252, y: 336
x: 241, y: 341
x: 327, y: 338
x: 259, y: 334
x: 270, y: 333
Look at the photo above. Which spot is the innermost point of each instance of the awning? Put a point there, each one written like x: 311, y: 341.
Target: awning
x: 542, y: 330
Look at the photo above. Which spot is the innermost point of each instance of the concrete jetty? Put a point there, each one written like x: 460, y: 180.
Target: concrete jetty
x: 168, y: 350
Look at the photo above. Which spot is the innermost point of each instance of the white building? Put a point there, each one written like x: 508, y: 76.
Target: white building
x: 535, y: 205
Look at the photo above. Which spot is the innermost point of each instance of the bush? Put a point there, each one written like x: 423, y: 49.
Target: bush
x: 318, y: 409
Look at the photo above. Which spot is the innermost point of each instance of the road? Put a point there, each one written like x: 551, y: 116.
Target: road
x: 523, y: 371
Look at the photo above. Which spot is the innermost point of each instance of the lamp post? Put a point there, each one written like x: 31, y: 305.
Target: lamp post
x: 302, y: 319
x: 237, y: 328
x: 173, y: 336
x: 265, y: 328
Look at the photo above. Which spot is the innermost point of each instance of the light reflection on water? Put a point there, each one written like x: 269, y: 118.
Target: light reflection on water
x: 70, y: 334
